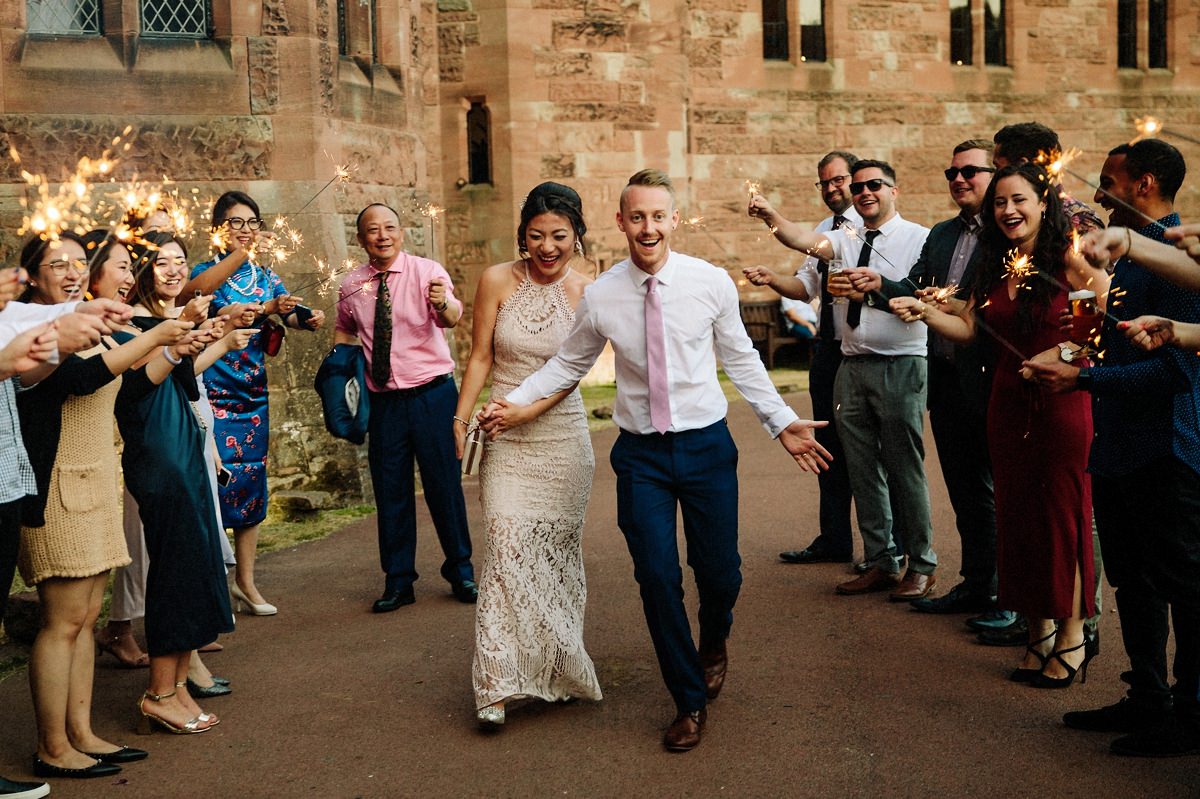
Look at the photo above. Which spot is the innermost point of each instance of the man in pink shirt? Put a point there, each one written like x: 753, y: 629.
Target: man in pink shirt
x: 398, y: 306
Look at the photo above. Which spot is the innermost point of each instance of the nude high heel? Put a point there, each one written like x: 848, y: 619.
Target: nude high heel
x: 254, y: 609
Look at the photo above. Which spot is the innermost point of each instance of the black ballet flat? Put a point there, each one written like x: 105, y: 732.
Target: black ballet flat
x: 43, y: 769
x: 126, y: 754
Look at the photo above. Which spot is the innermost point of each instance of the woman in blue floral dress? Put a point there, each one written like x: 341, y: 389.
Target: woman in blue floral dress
x: 237, y: 383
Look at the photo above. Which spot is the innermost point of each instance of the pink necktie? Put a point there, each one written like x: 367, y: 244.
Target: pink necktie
x: 656, y: 359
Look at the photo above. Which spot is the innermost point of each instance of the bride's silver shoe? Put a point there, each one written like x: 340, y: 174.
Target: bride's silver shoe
x: 491, y: 716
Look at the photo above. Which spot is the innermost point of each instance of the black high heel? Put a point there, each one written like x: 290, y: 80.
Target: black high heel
x: 1028, y: 675
x: 1042, y: 681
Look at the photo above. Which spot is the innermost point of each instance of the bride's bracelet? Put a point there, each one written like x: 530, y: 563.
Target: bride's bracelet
x: 464, y: 422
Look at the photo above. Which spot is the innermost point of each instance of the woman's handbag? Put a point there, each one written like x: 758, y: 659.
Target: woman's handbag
x: 272, y: 336
x: 473, y: 450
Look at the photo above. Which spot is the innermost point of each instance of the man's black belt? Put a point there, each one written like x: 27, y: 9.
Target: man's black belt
x: 417, y: 391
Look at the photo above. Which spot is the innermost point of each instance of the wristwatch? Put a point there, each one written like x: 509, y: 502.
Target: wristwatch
x: 1067, y: 354
x: 1083, y: 381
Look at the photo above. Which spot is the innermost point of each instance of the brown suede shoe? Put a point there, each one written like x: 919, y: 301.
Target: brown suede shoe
x: 872, y: 580
x: 714, y: 661
x: 913, y: 586
x: 684, y: 732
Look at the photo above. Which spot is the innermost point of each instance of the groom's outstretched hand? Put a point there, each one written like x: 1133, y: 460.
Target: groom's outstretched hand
x: 798, y: 439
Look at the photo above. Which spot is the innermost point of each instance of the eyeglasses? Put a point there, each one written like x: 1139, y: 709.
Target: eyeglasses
x: 63, y: 265
x: 237, y: 223
x: 968, y: 171
x: 835, y: 181
x: 874, y: 184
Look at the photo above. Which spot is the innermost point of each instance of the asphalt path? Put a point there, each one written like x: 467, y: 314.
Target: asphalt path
x: 826, y: 695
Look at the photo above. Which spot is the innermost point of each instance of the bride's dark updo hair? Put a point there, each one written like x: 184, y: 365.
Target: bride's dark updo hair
x: 552, y: 198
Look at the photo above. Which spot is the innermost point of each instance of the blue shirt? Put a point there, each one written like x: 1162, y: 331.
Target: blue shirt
x: 1145, y: 405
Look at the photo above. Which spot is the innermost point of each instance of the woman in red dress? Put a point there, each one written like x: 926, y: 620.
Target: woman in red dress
x: 1038, y: 441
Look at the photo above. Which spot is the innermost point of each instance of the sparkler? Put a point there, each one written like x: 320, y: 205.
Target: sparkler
x: 341, y: 176
x: 432, y: 212
x: 1149, y: 127
x: 1019, y: 267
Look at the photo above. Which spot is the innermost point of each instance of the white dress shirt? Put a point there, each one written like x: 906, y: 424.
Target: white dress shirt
x: 17, y: 317
x: 701, y: 317
x: 811, y: 278
x: 879, y: 331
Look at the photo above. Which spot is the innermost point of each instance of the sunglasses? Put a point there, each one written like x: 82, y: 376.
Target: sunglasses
x: 875, y: 184
x: 967, y: 172
x: 836, y: 182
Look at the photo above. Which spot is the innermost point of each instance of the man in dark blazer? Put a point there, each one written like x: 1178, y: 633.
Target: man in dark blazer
x: 958, y: 383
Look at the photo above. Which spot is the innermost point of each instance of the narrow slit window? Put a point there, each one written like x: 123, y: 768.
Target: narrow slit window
x: 812, y: 30
x: 995, y: 24
x: 1127, y: 34
x: 961, y: 38
x: 479, y: 143
x: 1156, y: 37
x: 775, y: 30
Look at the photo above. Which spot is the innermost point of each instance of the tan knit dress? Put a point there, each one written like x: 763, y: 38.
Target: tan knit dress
x: 83, y: 534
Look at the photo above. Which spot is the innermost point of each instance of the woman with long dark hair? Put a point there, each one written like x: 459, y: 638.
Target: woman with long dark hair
x: 1038, y: 440
x: 187, y: 601
x: 537, y: 475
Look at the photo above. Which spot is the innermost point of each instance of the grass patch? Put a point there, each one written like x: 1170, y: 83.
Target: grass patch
x: 276, y: 533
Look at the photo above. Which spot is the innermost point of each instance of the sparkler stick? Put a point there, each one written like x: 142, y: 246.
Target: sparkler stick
x: 341, y: 173
x: 1149, y: 127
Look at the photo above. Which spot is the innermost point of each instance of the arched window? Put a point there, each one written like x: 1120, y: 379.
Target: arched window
x: 962, y: 39
x: 995, y: 31
x: 479, y: 143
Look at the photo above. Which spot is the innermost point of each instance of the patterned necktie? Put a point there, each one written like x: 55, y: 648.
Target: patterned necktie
x: 381, y: 339
x: 838, y: 221
x: 656, y: 359
x: 854, y: 312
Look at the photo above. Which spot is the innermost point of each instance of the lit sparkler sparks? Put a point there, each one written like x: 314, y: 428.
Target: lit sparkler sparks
x: 1019, y: 266
x: 341, y: 175
x: 753, y: 187
x: 1149, y: 127
x: 1055, y: 161
x: 943, y: 294
x: 432, y: 212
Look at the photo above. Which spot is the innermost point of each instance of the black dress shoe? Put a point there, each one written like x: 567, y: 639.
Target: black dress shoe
x: 393, y: 600
x: 126, y: 754
x: 23, y: 790
x: 465, y: 591
x: 811, y: 555
x: 959, y: 599
x: 1173, y: 738
x: 43, y: 769
x: 1125, y: 716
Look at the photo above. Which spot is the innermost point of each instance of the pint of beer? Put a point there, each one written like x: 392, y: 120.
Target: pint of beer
x: 1085, y: 316
x: 834, y: 268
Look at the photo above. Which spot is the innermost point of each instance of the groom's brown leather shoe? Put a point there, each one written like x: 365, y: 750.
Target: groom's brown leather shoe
x: 684, y: 732
x: 875, y: 579
x: 714, y: 661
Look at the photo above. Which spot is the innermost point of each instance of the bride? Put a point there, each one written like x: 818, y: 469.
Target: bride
x: 536, y: 475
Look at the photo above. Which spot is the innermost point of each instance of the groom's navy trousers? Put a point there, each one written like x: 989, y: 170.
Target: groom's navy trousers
x: 695, y: 471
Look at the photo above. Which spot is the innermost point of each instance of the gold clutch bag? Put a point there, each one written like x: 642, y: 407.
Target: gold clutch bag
x: 473, y: 451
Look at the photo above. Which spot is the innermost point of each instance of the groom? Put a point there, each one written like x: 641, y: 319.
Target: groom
x: 664, y: 312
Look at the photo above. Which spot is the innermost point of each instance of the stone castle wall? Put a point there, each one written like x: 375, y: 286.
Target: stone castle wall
x: 581, y: 91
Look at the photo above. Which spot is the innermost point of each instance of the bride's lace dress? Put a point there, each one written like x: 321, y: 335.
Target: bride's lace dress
x: 535, y: 482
